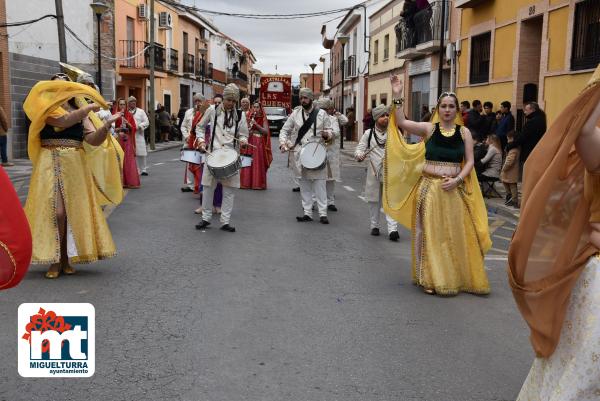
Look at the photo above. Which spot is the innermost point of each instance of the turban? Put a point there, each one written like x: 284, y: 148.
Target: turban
x: 198, y: 97
x: 379, y: 111
x: 326, y: 103
x: 85, y: 79
x: 231, y: 92
x: 307, y: 92
x: 131, y: 99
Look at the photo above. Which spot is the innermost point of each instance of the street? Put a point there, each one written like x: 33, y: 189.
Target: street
x: 277, y: 311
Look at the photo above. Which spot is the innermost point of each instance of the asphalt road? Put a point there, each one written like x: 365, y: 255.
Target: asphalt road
x: 276, y: 311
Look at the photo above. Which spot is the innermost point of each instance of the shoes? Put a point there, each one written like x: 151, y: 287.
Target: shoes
x: 198, y: 211
x: 297, y: 189
x: 144, y: 173
x: 429, y: 291
x: 7, y: 164
x: 323, y: 220
x: 394, y: 236
x: 53, y: 274
x: 69, y: 270
x: 186, y: 189
x: 228, y: 228
x: 375, y: 231
x: 332, y: 208
x: 508, y: 200
x: 216, y: 210
x: 202, y: 225
x: 303, y: 218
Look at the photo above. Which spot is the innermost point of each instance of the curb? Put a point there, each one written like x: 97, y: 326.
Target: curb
x: 165, y: 147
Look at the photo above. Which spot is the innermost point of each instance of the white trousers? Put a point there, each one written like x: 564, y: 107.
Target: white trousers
x: 375, y: 213
x: 316, y: 188
x: 330, y: 192
x: 141, y: 162
x: 208, y: 194
x: 296, y: 181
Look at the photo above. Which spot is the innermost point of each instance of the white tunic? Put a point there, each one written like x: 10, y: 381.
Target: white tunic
x: 289, y: 133
x: 142, y: 122
x: 186, y: 124
x: 333, y: 152
x: 223, y: 138
x: 374, y: 161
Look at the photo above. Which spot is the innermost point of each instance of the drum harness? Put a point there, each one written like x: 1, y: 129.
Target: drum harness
x: 214, y: 130
x: 381, y: 144
x: 307, y: 122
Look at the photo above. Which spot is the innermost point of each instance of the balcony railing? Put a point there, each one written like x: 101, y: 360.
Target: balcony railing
x: 420, y: 27
x: 173, y: 60
x: 350, y: 66
x: 188, y: 64
x: 237, y: 75
x: 201, y: 68
x: 209, y: 71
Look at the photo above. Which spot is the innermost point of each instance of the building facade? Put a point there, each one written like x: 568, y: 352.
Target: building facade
x: 526, y: 50
x: 306, y: 81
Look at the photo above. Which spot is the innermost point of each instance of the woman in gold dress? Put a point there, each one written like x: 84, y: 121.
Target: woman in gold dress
x: 63, y: 204
x: 431, y: 188
x: 554, y: 260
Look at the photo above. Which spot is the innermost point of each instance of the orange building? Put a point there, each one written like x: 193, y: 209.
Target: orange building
x: 306, y: 80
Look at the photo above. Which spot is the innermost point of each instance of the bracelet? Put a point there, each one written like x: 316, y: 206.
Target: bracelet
x: 460, y: 179
x: 398, y: 101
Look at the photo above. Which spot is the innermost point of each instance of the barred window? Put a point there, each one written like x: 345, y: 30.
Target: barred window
x: 386, y: 47
x: 480, y: 58
x: 376, y: 52
x: 586, y: 31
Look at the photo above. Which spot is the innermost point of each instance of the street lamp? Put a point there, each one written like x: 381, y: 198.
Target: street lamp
x: 313, y: 66
x: 343, y: 40
x: 203, y: 52
x: 99, y: 8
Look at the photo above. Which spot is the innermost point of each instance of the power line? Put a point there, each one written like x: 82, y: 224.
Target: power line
x: 28, y: 22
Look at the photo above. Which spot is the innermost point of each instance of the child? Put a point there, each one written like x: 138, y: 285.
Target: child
x: 510, y: 173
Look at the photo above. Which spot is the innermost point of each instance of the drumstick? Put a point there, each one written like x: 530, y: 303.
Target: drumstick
x: 366, y: 153
x: 235, y: 139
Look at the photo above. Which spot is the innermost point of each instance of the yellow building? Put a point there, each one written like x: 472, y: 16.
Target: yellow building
x: 526, y: 50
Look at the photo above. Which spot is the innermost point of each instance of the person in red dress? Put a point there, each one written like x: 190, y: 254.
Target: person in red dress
x: 15, y: 236
x: 255, y: 176
x: 126, y: 127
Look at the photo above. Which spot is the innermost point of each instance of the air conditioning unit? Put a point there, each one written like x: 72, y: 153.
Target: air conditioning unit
x: 143, y: 11
x: 164, y: 20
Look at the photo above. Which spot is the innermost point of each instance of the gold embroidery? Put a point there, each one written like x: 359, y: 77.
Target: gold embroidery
x: 61, y: 143
x: 447, y: 132
x: 13, y: 261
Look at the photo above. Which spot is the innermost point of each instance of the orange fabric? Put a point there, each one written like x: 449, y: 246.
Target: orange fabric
x: 551, y: 244
x: 131, y: 120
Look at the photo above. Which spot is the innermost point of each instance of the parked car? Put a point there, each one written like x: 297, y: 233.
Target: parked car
x: 277, y: 116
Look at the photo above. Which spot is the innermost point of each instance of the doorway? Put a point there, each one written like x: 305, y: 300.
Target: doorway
x: 528, y: 73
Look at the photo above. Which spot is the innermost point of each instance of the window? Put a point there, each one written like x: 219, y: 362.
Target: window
x: 185, y: 43
x: 373, y: 101
x: 480, y: 58
x: 383, y: 98
x: 376, y: 53
x: 386, y: 47
x: 586, y: 31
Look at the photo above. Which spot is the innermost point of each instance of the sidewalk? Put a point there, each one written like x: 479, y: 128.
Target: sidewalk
x: 494, y: 205
x: 22, y: 167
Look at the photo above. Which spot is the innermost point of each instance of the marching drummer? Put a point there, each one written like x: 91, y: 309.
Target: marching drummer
x: 372, y: 148
x: 230, y: 132
x: 307, y: 124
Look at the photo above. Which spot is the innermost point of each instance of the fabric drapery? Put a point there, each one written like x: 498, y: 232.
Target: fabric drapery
x: 551, y: 244
x: 255, y: 175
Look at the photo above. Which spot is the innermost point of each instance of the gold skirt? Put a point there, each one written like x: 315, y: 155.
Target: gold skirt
x: 447, y: 256
x: 65, y: 169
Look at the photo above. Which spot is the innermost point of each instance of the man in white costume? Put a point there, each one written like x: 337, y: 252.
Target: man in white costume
x: 186, y: 127
x: 307, y: 123
x: 372, y: 148
x: 333, y: 150
x: 141, y: 120
x: 229, y: 130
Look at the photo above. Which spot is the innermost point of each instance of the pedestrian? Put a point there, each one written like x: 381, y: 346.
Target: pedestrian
x: 349, y: 131
x: 372, y: 148
x: 126, y: 128
x: 255, y: 175
x: 368, y: 120
x: 465, y: 106
x: 492, y: 161
x: 510, y: 172
x: 431, y: 187
x: 164, y: 122
x: 533, y: 130
x: 334, y: 164
x: 554, y: 262
x: 425, y: 113
x: 477, y: 123
x: 506, y: 122
x: 67, y: 225
x: 490, y: 118
x: 190, y: 119
x: 181, y: 115
x: 141, y: 123
x: 4, y: 139
x: 228, y: 126
x: 307, y: 123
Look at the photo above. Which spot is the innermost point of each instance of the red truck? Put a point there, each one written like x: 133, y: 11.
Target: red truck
x: 276, y: 98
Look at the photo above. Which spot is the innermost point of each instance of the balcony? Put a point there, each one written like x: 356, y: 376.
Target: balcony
x: 134, y: 57
x: 237, y: 78
x: 189, y: 64
x: 173, y: 60
x: 209, y: 72
x: 350, y: 67
x: 419, y: 33
x: 201, y: 68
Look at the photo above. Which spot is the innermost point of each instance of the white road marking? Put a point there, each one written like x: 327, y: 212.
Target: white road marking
x: 496, y: 258
x: 347, y: 188
x: 158, y: 164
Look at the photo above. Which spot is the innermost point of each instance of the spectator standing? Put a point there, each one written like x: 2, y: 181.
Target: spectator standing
x: 492, y: 161
x: 164, y: 121
x: 425, y: 114
x: 181, y: 116
x: 506, y: 123
x: 476, y: 122
x: 510, y: 173
x: 490, y: 118
x: 368, y: 120
x: 351, y: 115
x: 465, y: 106
x: 533, y: 130
x: 4, y: 138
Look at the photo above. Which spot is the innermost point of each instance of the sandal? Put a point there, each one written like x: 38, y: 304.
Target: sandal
x: 52, y: 274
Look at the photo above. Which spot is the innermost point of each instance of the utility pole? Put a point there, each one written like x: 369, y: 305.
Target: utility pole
x: 152, y: 53
x: 60, y: 22
x: 442, y: 48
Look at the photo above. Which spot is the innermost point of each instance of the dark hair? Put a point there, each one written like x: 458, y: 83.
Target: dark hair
x: 534, y: 105
x: 476, y: 103
x: 488, y: 104
x: 218, y: 95
x: 506, y: 104
x: 510, y: 134
x: 447, y: 94
x: 466, y: 104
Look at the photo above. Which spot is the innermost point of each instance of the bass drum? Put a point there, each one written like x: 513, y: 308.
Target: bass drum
x: 313, y: 155
x: 223, y: 163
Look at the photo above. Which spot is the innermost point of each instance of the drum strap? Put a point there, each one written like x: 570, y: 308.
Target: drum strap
x: 214, y: 130
x: 311, y: 120
x: 371, y: 132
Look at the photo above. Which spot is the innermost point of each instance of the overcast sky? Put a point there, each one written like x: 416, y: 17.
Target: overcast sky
x: 290, y: 44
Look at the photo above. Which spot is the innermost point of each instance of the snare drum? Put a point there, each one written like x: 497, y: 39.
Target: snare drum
x: 223, y: 163
x: 313, y: 155
x: 191, y: 156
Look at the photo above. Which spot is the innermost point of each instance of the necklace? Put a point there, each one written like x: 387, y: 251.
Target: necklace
x: 380, y: 143
x: 447, y: 132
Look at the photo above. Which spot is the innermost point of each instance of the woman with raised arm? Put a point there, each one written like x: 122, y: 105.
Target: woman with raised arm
x: 431, y: 188
x: 554, y: 264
